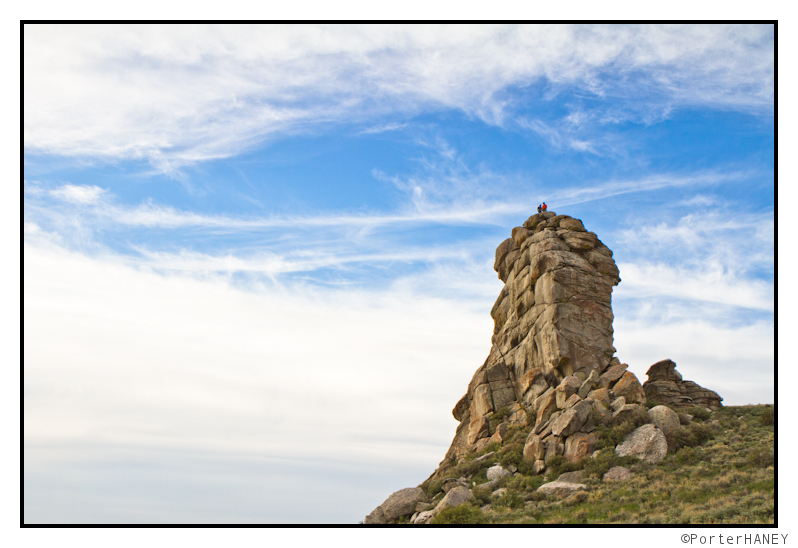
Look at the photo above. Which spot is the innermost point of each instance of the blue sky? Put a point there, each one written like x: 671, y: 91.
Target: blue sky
x: 258, y: 260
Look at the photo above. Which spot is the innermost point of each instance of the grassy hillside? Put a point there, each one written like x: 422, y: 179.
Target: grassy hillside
x: 720, y: 469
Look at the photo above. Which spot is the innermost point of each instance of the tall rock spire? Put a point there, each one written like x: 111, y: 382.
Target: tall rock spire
x: 552, y: 320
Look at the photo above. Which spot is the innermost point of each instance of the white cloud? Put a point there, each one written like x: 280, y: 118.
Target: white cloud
x: 119, y: 356
x: 712, y: 283
x: 79, y: 194
x: 181, y: 94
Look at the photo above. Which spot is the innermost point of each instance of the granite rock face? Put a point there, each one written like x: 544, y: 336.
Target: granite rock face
x: 551, y: 372
x: 552, y: 330
x: 665, y: 386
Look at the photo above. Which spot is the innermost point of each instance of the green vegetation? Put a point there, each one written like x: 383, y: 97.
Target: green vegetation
x: 464, y: 514
x: 719, y: 470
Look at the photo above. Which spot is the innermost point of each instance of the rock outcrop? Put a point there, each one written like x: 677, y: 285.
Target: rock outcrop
x: 552, y: 341
x: 552, y: 372
x: 665, y: 386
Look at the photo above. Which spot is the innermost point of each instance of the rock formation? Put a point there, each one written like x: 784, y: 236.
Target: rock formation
x: 665, y: 386
x: 552, y: 354
x: 552, y: 371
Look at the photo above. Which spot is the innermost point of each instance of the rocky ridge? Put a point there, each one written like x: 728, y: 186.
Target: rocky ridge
x: 552, y: 367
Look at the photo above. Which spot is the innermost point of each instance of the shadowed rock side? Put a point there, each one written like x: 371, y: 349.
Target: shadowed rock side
x: 665, y: 386
x: 552, y: 325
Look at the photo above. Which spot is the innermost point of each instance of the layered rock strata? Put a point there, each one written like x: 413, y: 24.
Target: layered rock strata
x: 665, y: 386
x: 552, y: 359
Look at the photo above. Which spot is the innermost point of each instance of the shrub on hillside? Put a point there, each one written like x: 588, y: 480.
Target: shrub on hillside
x: 464, y: 514
x: 691, y: 436
x: 768, y: 416
x: 698, y: 413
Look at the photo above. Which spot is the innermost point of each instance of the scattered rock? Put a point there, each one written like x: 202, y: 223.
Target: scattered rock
x: 376, y: 517
x: 664, y: 418
x: 647, y: 443
x: 567, y: 388
x: 612, y: 375
x: 573, y: 400
x: 685, y: 419
x: 627, y: 412
x: 617, y: 473
x: 424, y: 517
x: 601, y: 395
x: 630, y: 389
x: 571, y: 420
x: 572, y: 477
x: 402, y: 503
x: 560, y: 488
x: 579, y: 446
x: 534, y: 448
x: 453, y: 498
x: 497, y: 472
x: 450, y: 484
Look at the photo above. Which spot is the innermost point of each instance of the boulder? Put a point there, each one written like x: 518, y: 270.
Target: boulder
x: 588, y: 385
x: 617, y: 473
x: 612, y: 375
x: 424, y: 517
x: 478, y: 428
x: 453, y: 498
x: 560, y: 488
x: 376, y: 517
x: 579, y: 446
x: 572, y: 224
x: 572, y: 420
x: 573, y: 400
x: 567, y: 388
x: 628, y: 412
x: 602, y: 395
x: 664, y: 418
x: 519, y: 234
x: 447, y: 486
x: 402, y: 503
x: 572, y: 477
x: 629, y: 387
x: 601, y: 412
x: 533, y: 448
x: 546, y: 407
x: 647, y: 443
x: 497, y: 472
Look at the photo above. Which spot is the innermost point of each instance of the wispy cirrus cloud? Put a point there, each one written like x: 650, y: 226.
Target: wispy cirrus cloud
x: 135, y: 92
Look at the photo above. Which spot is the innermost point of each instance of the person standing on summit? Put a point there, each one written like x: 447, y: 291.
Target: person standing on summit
x: 544, y: 207
x: 540, y: 208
